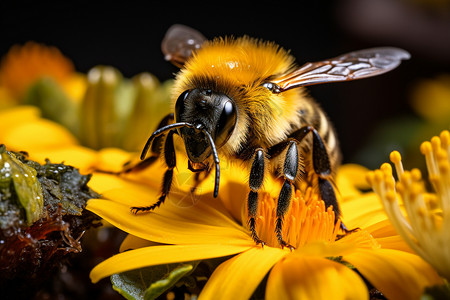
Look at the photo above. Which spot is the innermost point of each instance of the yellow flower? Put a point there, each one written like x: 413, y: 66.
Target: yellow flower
x: 426, y: 226
x: 102, y: 108
x: 23, y: 129
x: 201, y: 227
x: 23, y: 65
x: 198, y: 227
x: 430, y: 99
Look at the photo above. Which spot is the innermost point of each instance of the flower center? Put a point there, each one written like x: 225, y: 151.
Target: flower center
x: 306, y: 221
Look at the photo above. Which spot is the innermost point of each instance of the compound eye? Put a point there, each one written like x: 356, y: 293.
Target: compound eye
x: 180, y: 105
x: 226, y: 123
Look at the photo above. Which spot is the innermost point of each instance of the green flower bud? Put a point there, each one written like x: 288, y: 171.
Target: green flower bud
x: 55, y: 105
x: 119, y: 112
x: 151, y: 103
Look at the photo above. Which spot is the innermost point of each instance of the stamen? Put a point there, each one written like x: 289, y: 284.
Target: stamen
x: 396, y: 159
x: 445, y: 140
x: 306, y: 221
x: 428, y: 217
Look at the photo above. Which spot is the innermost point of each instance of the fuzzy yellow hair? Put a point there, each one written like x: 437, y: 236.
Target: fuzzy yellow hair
x: 237, y: 67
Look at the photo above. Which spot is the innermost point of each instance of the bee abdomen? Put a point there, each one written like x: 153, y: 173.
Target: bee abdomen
x: 311, y: 114
x: 328, y: 134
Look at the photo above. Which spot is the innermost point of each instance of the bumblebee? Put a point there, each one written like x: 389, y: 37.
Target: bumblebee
x: 243, y: 99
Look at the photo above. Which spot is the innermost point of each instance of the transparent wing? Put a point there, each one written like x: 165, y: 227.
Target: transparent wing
x: 180, y: 42
x: 350, y: 66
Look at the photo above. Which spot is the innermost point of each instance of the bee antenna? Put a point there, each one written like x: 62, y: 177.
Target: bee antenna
x: 216, y: 162
x: 160, y: 131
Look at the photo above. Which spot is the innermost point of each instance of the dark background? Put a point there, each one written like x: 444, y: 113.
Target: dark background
x: 128, y: 36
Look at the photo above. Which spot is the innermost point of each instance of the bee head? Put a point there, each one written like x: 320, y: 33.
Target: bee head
x: 209, y: 111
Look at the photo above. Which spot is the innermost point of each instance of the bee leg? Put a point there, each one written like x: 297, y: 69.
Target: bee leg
x: 322, y: 167
x: 142, y: 165
x: 170, y: 159
x: 328, y: 195
x: 255, y: 182
x: 290, y: 169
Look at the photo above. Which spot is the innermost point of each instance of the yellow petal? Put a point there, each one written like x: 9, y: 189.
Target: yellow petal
x: 133, y: 242
x: 238, y: 277
x: 351, y: 180
x: 101, y: 182
x: 397, y: 274
x: 116, y: 160
x: 191, y: 226
x: 348, y: 244
x: 395, y: 242
x: 233, y: 194
x: 17, y: 115
x: 158, y: 255
x: 40, y: 134
x: 381, y: 229
x: 314, y: 278
x: 83, y: 158
x: 363, y: 211
x: 112, y: 159
x: 202, y: 209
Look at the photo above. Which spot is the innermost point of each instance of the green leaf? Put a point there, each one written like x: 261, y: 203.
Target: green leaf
x: 151, y: 282
x: 25, y: 182
x: 339, y: 259
x: 436, y: 292
x: 160, y: 286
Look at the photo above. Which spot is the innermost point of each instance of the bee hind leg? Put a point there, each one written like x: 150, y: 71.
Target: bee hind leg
x: 256, y: 180
x: 170, y: 160
x: 328, y: 195
x: 322, y: 167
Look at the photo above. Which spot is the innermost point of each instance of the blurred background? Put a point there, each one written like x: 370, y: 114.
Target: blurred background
x: 372, y: 116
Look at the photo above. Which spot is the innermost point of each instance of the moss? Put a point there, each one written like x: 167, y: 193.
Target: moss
x: 31, y: 254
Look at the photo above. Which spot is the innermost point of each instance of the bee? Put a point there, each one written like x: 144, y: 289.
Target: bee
x: 243, y: 99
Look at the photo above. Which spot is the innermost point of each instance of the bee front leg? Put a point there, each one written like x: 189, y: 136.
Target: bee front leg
x: 290, y: 170
x: 255, y: 182
x: 170, y: 160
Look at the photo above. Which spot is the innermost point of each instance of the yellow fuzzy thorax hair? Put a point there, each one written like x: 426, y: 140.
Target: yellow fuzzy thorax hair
x: 242, y: 61
x: 237, y: 67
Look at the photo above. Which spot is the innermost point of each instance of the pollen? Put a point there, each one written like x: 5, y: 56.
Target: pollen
x: 306, y: 221
x: 420, y: 217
